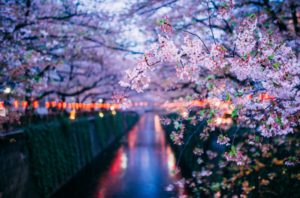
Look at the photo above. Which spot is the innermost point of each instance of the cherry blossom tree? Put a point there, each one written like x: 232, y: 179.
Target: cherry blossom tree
x: 260, y: 62
x: 241, y: 59
x: 233, y: 62
x: 58, y: 50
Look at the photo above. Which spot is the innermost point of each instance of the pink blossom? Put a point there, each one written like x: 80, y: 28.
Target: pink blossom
x: 177, y: 137
x: 187, y: 72
x: 236, y: 156
x: 166, y: 121
x: 165, y: 25
x: 245, y: 39
x: 224, y: 140
x: 225, y: 7
x: 168, y: 52
x: 198, y: 151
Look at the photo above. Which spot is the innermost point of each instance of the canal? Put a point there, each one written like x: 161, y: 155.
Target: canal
x: 140, y: 165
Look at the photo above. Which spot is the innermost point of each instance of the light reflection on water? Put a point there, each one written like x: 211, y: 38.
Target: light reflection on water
x: 143, y: 166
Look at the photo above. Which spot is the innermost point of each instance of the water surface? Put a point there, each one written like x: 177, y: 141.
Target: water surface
x: 141, y: 166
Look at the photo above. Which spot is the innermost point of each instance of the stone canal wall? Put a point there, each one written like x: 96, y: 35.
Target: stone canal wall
x: 45, y: 156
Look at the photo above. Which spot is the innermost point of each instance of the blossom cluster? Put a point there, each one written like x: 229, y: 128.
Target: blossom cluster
x: 236, y: 156
x: 259, y: 63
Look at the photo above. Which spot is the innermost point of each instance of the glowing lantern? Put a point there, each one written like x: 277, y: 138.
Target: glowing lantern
x: 53, y: 104
x: 24, y: 104
x: 112, y: 108
x: 16, y: 104
x: 113, y: 112
x: 105, y: 106
x: 59, y: 105
x: 72, y: 115
x: 101, y: 114
x: 47, y: 105
x: 2, y: 111
x: 35, y: 104
x: 1, y: 105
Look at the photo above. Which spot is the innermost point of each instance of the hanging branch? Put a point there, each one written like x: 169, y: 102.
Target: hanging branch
x: 209, y: 22
x: 198, y: 38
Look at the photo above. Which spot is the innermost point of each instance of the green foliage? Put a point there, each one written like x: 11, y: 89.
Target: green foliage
x: 233, y: 151
x: 234, y: 113
x: 210, y: 86
x: 251, y: 15
x: 276, y: 65
x: 210, y: 77
x: 228, y: 97
x: 271, y: 57
x: 161, y: 21
x: 278, y: 120
x: 239, y: 93
x: 177, y: 125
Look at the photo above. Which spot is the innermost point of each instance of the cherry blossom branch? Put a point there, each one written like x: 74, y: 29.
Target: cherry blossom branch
x: 198, y: 38
x: 187, y: 142
x: 112, y: 47
x: 209, y: 22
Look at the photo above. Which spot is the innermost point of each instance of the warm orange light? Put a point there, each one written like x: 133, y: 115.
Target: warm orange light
x: 268, y: 97
x: 250, y: 97
x: 112, y: 107
x: 24, y: 104
x: 53, y: 104
x: 199, y: 103
x: 106, y: 106
x: 59, y: 105
x: 35, y: 104
x: 47, y: 105
x: 1, y: 105
x: 265, y: 96
x: 72, y: 115
x: 64, y: 105
x: 16, y: 104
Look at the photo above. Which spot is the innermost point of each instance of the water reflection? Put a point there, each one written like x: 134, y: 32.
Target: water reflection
x: 143, y: 166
